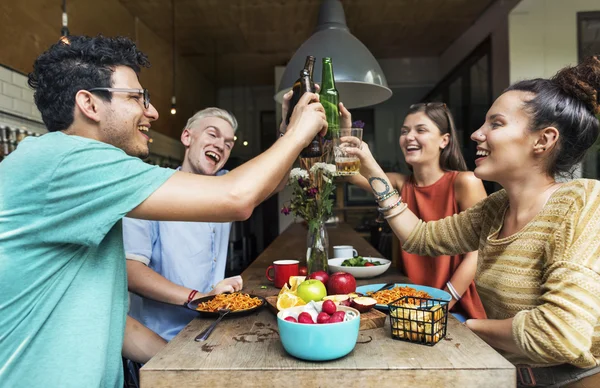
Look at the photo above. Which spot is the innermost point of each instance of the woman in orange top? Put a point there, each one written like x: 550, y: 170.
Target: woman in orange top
x: 439, y: 186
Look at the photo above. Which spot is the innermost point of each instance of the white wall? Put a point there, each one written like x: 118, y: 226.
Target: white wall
x: 17, y: 108
x: 543, y: 39
x: 543, y: 36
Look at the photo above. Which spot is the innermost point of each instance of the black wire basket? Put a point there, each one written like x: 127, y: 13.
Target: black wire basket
x: 418, y: 320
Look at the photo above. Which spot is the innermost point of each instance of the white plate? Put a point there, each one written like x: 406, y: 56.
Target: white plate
x: 335, y: 265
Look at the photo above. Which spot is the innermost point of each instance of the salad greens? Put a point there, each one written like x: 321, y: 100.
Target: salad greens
x: 359, y: 261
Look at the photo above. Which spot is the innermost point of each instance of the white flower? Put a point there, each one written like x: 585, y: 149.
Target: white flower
x: 297, y: 173
x: 328, y: 169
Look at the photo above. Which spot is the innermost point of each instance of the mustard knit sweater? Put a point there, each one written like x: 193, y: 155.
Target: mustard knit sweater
x: 546, y: 276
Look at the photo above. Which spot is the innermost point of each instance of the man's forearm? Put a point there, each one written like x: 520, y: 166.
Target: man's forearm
x: 262, y: 176
x: 140, y: 344
x: 144, y: 281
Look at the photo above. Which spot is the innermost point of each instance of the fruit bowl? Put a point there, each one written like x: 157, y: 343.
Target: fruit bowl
x: 318, y: 342
x: 335, y: 265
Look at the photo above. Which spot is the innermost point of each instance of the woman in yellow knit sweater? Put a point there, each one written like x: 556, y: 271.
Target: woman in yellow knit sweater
x: 538, y: 271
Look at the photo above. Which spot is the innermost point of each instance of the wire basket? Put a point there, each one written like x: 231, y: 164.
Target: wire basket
x: 419, y: 320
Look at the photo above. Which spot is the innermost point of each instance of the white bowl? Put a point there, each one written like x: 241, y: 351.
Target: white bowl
x: 335, y: 265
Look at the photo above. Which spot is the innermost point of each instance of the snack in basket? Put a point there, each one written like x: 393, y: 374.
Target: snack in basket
x: 235, y: 302
x: 418, y: 323
x: 388, y: 296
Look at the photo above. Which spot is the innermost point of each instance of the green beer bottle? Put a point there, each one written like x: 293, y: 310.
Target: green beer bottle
x: 330, y: 99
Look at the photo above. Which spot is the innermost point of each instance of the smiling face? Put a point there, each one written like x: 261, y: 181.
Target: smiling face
x: 125, y: 122
x: 505, y: 145
x: 421, y: 140
x: 208, y: 145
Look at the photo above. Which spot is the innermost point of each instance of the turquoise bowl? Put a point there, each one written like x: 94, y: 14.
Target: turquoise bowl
x: 318, y: 342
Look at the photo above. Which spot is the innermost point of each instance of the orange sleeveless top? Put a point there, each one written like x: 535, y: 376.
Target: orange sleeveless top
x: 432, y: 203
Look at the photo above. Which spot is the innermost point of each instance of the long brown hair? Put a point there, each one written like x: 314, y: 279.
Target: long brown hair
x: 451, y: 158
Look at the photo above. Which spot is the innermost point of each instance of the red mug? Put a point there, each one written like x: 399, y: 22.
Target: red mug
x: 283, y: 269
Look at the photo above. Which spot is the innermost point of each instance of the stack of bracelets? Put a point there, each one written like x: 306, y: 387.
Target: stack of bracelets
x: 386, y: 211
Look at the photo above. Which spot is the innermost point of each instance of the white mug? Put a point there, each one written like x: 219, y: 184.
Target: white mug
x: 344, y: 251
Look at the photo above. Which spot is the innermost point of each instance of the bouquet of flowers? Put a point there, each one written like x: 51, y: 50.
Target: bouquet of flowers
x: 311, y: 194
x: 311, y: 200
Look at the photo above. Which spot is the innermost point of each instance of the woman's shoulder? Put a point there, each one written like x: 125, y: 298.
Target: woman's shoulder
x: 398, y: 180
x: 579, y: 191
x: 466, y: 179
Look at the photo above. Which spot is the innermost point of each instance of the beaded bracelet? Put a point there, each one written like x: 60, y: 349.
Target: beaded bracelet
x: 385, y: 209
x: 386, y: 196
x: 402, y: 208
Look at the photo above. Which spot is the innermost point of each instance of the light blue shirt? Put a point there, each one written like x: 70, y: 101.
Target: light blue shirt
x: 63, y: 281
x: 191, y: 254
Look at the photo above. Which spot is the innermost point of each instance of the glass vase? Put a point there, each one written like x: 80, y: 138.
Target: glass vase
x: 317, y: 246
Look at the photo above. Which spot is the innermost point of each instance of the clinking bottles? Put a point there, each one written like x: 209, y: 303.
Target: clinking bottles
x: 305, y: 84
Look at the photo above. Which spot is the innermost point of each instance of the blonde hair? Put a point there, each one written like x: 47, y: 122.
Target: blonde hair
x: 213, y: 112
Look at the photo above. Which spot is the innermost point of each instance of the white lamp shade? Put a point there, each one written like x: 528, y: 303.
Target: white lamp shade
x: 358, y: 76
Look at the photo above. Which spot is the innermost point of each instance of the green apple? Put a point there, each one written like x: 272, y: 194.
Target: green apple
x: 311, y: 289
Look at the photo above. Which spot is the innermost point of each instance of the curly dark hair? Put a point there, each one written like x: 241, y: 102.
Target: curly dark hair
x: 78, y: 63
x: 569, y: 101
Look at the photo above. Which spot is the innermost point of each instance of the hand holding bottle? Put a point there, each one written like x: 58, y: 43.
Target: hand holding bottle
x: 308, y: 119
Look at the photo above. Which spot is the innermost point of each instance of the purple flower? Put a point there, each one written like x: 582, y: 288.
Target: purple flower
x: 312, y: 192
x: 301, y: 182
x: 358, y: 124
x: 285, y: 210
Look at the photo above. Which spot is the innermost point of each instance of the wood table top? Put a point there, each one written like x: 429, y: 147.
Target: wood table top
x: 246, y: 351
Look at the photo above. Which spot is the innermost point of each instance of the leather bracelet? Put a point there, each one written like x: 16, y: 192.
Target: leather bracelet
x: 191, y: 295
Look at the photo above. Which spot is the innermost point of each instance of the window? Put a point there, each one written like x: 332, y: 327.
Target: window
x: 588, y: 43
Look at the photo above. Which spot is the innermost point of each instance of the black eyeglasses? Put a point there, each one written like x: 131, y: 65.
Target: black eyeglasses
x: 143, y: 92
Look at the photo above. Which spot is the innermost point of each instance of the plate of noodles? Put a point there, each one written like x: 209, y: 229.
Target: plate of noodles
x: 399, y: 290
x: 239, y: 303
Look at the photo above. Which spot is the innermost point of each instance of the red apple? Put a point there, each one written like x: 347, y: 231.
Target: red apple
x: 341, y: 283
x: 302, y: 271
x: 290, y: 319
x: 320, y: 275
x: 363, y: 303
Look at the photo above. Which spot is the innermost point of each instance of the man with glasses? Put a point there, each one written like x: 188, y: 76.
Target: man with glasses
x: 62, y: 197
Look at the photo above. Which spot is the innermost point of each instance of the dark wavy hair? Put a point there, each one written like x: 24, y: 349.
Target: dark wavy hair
x: 451, y: 158
x: 77, y: 63
x: 569, y: 101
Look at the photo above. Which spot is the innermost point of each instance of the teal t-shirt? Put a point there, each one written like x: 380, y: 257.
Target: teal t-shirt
x: 63, y: 280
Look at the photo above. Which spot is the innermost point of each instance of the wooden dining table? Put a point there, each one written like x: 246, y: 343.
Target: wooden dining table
x: 247, y: 352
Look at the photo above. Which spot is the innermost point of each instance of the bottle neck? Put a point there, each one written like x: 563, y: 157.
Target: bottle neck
x: 327, y: 79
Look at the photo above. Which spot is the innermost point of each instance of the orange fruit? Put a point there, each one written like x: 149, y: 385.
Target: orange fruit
x: 287, y: 300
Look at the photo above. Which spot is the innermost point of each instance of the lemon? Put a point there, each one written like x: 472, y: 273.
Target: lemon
x: 295, y: 282
x: 287, y: 300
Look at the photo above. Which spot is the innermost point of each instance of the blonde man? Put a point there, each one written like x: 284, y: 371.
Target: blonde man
x: 170, y: 263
